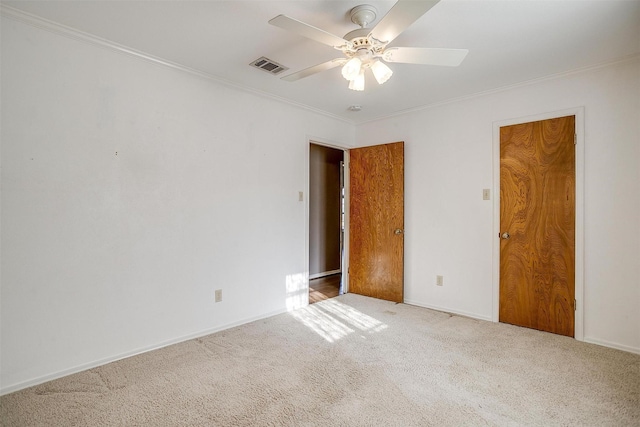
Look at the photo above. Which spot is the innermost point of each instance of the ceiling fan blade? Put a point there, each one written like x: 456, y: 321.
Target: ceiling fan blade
x: 399, y: 18
x: 308, y: 31
x: 425, y: 55
x: 315, y: 69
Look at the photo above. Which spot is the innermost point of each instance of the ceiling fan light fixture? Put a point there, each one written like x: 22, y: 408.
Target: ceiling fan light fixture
x: 358, y: 82
x: 352, y: 69
x: 381, y: 72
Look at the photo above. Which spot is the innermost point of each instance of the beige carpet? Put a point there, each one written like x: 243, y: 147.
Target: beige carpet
x: 349, y: 361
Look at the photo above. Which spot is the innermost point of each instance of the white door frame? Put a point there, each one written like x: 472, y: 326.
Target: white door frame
x: 578, y: 112
x: 345, y: 248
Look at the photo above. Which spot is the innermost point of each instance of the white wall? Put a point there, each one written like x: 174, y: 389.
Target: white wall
x: 449, y: 228
x: 130, y: 192
x: 104, y: 255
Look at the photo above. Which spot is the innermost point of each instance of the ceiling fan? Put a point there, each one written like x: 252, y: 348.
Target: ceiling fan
x: 366, y: 48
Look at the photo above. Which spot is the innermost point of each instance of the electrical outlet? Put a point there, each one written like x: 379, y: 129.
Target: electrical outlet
x: 218, y: 295
x: 439, y: 280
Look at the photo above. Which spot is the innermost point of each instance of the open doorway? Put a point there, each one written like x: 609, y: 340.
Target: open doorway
x: 326, y: 222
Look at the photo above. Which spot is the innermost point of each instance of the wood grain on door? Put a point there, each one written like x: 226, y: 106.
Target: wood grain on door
x: 537, y: 225
x: 376, y: 222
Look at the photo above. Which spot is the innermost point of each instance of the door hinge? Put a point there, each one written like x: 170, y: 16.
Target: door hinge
x: 575, y: 139
x: 575, y: 305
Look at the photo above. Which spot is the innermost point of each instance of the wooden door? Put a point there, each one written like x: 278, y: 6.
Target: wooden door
x: 537, y: 211
x: 376, y: 221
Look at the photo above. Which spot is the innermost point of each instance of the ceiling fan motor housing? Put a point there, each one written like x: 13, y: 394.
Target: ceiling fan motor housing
x: 362, y: 15
x: 360, y: 42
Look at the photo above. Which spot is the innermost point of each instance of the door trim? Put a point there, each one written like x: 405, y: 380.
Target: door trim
x: 345, y: 256
x: 578, y: 112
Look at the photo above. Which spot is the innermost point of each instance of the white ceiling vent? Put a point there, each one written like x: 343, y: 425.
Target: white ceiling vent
x: 266, y: 64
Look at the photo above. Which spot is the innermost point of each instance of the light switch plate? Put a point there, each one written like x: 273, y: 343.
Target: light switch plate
x: 486, y: 194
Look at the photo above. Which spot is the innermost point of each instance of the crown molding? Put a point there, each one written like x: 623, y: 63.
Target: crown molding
x: 583, y: 70
x: 73, y: 33
x: 78, y: 35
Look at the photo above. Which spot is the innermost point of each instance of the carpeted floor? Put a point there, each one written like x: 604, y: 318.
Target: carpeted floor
x: 349, y: 361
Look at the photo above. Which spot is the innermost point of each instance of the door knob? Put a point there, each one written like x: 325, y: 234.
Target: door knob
x: 398, y: 231
x: 505, y: 235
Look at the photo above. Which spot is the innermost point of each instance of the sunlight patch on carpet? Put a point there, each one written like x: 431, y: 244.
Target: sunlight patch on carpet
x: 333, y: 320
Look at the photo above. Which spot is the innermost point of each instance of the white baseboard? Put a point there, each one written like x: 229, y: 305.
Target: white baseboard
x: 104, y: 361
x: 43, y: 379
x: 590, y: 340
x: 614, y: 345
x: 323, y: 274
x: 449, y: 310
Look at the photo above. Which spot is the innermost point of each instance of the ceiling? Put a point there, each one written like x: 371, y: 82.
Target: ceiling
x: 509, y: 42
